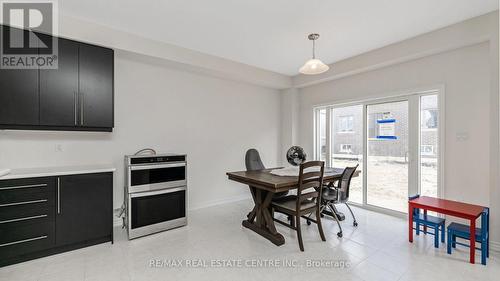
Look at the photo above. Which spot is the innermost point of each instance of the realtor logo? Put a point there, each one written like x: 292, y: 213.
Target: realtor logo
x: 25, y: 35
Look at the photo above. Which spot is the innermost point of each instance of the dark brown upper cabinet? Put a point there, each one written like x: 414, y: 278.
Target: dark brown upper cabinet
x: 96, y: 81
x: 78, y: 95
x: 59, y: 88
x: 18, y: 93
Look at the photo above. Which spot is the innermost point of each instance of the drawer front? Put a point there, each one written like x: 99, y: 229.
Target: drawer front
x: 27, y: 191
x: 18, y: 238
x: 26, y: 212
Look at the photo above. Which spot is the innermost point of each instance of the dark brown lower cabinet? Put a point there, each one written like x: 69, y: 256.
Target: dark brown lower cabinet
x: 84, y: 210
x: 44, y: 216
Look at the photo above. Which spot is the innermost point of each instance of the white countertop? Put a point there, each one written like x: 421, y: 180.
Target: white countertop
x: 57, y: 171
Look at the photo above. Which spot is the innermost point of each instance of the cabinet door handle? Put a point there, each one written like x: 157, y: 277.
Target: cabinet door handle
x: 58, y: 195
x: 81, y: 108
x: 75, y: 102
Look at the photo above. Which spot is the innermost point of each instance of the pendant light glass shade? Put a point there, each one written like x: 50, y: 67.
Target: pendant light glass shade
x: 314, y: 65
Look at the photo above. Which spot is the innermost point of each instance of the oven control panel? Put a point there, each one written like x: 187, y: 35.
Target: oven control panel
x: 156, y: 159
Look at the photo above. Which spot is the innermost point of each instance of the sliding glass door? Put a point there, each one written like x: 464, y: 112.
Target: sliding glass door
x: 395, y: 142
x: 388, y: 155
x: 429, y: 145
x: 321, y: 134
x: 347, y: 144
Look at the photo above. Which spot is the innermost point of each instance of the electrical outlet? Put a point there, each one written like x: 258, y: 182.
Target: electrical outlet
x: 58, y: 148
x: 462, y: 136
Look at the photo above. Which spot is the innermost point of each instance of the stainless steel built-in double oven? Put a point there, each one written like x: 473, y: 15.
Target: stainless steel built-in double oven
x: 156, y: 193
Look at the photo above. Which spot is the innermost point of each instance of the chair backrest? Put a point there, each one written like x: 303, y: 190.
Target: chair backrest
x: 345, y: 182
x: 415, y: 210
x: 253, y: 161
x: 310, y: 182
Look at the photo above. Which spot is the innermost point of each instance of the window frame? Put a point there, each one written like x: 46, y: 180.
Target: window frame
x: 413, y: 94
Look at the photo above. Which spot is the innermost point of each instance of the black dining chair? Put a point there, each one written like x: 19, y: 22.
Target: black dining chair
x: 339, y: 194
x: 306, y: 202
x: 254, y: 163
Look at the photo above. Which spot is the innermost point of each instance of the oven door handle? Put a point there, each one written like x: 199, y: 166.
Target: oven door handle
x: 157, y: 192
x: 160, y: 166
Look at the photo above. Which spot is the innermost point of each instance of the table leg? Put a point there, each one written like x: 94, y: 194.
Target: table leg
x: 264, y: 223
x: 425, y: 225
x: 259, y: 207
x: 267, y: 218
x: 488, y: 233
x: 251, y: 216
x: 410, y: 222
x: 472, y: 241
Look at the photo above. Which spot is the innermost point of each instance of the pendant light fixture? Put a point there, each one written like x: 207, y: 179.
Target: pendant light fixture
x: 313, y: 66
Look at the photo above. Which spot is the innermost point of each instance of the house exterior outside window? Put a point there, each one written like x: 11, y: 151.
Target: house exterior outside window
x: 347, y: 128
x: 346, y: 124
x: 430, y: 119
x: 345, y: 148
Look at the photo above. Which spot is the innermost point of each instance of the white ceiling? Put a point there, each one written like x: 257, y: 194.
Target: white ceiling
x: 271, y: 34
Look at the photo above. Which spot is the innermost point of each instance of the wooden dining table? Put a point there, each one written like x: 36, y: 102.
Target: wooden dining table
x: 263, y: 185
x: 466, y: 211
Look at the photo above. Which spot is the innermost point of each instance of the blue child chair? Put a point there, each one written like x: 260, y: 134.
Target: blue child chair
x: 463, y: 231
x: 428, y: 221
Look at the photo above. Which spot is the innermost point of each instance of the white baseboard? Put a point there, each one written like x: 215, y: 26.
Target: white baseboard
x: 495, y: 246
x: 221, y: 202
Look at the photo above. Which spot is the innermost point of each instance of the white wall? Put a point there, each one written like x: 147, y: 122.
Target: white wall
x: 289, y: 122
x: 214, y: 121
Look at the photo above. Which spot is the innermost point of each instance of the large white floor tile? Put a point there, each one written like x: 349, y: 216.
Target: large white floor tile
x: 371, y: 272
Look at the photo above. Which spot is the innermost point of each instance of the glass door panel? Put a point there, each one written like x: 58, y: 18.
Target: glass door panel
x: 321, y: 129
x: 429, y: 116
x: 395, y: 142
x: 347, y: 145
x: 388, y: 155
